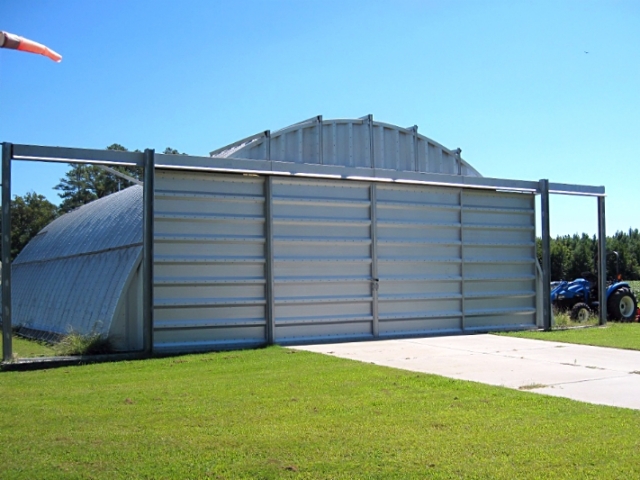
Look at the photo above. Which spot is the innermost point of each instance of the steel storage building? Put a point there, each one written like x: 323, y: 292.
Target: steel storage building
x: 81, y: 273
x: 351, y: 258
x: 327, y: 230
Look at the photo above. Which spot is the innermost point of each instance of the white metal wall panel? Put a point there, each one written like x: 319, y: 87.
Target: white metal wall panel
x: 350, y: 260
x: 419, y: 260
x: 499, y: 260
x: 322, y: 260
x: 209, y: 261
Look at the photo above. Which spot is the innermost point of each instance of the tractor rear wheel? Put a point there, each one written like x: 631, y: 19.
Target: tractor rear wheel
x: 580, y: 312
x: 623, y: 305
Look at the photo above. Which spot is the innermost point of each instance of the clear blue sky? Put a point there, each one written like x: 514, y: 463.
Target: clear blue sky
x: 508, y: 82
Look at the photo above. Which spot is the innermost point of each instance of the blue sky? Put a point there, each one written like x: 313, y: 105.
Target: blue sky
x: 508, y: 82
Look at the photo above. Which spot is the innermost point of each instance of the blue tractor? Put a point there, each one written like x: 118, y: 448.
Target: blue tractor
x: 580, y: 298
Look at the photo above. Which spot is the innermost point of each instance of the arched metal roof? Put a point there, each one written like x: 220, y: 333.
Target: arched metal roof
x: 360, y: 142
x: 73, y: 273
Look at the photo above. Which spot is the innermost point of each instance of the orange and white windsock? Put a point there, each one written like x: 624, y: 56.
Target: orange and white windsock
x: 9, y: 40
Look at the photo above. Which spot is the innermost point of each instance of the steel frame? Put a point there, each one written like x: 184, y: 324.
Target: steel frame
x: 151, y: 161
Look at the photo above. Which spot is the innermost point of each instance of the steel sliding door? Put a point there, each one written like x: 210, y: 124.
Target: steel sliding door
x: 322, y: 260
x: 348, y: 260
x: 499, y: 260
x: 209, y: 261
x: 419, y: 260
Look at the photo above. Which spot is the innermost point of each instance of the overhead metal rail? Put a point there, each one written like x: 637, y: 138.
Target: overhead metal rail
x: 152, y: 161
x: 270, y: 167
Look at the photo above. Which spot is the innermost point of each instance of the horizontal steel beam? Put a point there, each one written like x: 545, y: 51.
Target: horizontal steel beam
x: 268, y: 167
x: 568, y: 189
x: 77, y: 155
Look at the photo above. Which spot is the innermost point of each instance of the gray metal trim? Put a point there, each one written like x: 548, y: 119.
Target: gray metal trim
x: 320, y: 140
x: 128, y: 178
x: 147, y: 250
x: 77, y: 155
x: 269, y: 266
x: 374, y: 260
x: 372, y: 159
x: 7, y: 351
x: 246, y: 140
x: 263, y: 167
x: 602, y: 262
x: 546, y: 255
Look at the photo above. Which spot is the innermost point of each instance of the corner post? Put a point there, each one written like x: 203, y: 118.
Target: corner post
x: 269, y: 267
x: 375, y: 281
x: 7, y: 155
x: 546, y: 255
x: 602, y: 262
x: 147, y: 249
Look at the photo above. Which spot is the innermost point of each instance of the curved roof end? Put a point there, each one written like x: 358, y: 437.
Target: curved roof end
x: 360, y: 142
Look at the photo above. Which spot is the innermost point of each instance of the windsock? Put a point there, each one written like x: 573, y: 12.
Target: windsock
x: 9, y: 40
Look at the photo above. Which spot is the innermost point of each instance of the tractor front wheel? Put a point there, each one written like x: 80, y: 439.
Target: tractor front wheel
x: 580, y: 312
x: 623, y: 305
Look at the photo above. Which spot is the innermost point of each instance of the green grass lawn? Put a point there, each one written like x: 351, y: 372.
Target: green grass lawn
x: 23, y: 348
x: 617, y: 335
x: 276, y: 413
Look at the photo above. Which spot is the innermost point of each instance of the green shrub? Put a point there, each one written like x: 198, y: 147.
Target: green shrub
x: 562, y: 319
x: 77, y: 344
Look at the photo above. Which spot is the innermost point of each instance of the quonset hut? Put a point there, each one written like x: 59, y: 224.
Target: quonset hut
x: 81, y: 273
x: 327, y: 230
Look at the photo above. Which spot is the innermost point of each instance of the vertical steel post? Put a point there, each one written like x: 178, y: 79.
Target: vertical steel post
x: 7, y: 154
x: 546, y: 255
x: 602, y: 262
x: 372, y: 160
x: 462, y: 302
x: 320, y: 140
x: 268, y: 253
x: 147, y: 249
x: 267, y: 135
x: 375, y: 281
x: 416, y: 156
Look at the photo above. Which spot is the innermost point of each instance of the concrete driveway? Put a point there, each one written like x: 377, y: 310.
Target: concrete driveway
x: 599, y: 375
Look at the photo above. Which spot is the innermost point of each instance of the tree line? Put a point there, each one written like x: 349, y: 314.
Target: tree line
x: 572, y: 255
x: 80, y: 185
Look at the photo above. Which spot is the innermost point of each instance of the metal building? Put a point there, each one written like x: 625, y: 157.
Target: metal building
x: 240, y: 259
x: 327, y: 230
x: 81, y: 273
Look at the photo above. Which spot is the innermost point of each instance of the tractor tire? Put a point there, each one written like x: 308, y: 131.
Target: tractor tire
x: 580, y: 312
x: 623, y: 305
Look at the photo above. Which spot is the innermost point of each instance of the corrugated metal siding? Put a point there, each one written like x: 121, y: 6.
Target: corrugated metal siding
x: 351, y: 143
x: 77, y: 293
x: 499, y: 260
x: 351, y: 260
x: 419, y: 259
x: 110, y: 222
x: 322, y: 259
x: 72, y: 274
x: 209, y: 262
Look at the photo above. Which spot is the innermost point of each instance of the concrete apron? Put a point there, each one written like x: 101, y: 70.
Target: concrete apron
x: 599, y: 375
